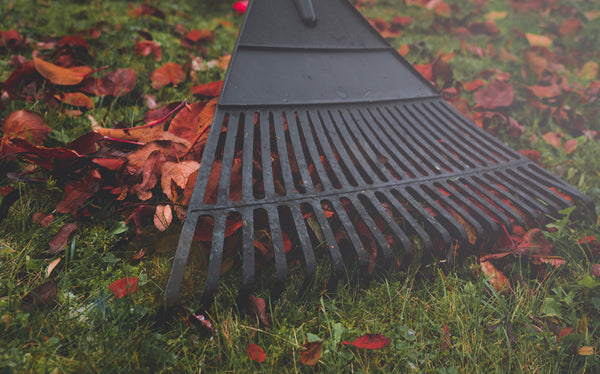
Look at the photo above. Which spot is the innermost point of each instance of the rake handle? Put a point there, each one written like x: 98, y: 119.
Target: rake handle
x: 306, y: 12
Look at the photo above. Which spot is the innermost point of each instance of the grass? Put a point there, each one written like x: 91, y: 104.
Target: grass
x: 87, y: 329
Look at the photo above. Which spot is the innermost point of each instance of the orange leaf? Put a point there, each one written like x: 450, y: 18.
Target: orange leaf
x: 553, y: 139
x: 570, y: 146
x: 124, y: 286
x: 75, y: 99
x: 312, y: 354
x: 586, y: 351
x: 176, y: 173
x: 255, y: 353
x: 570, y: 27
x: 538, y: 40
x: 60, y: 75
x: 23, y: 124
x: 496, y: 278
x: 370, y: 341
x: 209, y: 89
x: 171, y: 72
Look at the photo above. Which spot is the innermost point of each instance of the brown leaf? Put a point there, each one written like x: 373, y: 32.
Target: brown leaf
x: 23, y: 124
x: 171, y: 72
x: 536, y: 62
x: 185, y: 123
x: 75, y: 99
x: 42, y: 219
x: 531, y: 154
x: 498, y: 280
x: 200, y: 36
x: 41, y: 295
x: 570, y: 27
x: 59, y: 75
x: 553, y: 139
x: 596, y: 270
x: 176, y: 173
x: 258, y: 306
x: 545, y: 92
x: 586, y: 351
x: 117, y: 83
x: 58, y: 159
x: 59, y: 241
x: 146, y: 47
x: 151, y: 171
x: 312, y: 353
x: 163, y: 217
x: 497, y: 94
x: 76, y: 194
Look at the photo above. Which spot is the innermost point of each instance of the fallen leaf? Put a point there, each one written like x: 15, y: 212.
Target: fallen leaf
x: 59, y: 241
x: 586, y: 351
x: 147, y: 47
x: 23, y: 124
x: 497, y: 94
x: 369, y: 341
x: 51, y: 266
x: 570, y: 146
x: 163, y: 217
x: 208, y: 89
x: 312, y: 353
x: 200, y: 36
x: 47, y: 158
x: 531, y: 154
x: 474, y: 84
x: 538, y: 40
x: 257, y: 304
x: 592, y: 14
x: 200, y: 319
x: 545, y: 92
x: 75, y: 99
x: 41, y: 295
x: 124, y: 286
x: 59, y: 75
x: 176, y: 173
x: 570, y: 27
x: 498, y: 280
x: 77, y: 193
x: 42, y: 219
x: 496, y: 15
x: 255, y: 353
x: 446, y: 341
x: 596, y: 270
x: 185, y: 123
x: 116, y: 84
x: 486, y: 28
x: 240, y: 6
x: 589, y: 70
x: 146, y: 10
x: 169, y: 73
x: 553, y: 139
x: 10, y: 39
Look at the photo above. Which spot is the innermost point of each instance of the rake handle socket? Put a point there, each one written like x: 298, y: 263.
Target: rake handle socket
x: 307, y: 12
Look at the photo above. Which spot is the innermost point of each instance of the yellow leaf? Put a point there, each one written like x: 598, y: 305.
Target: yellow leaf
x: 589, y: 71
x: 51, y: 266
x: 586, y: 351
x: 538, y: 40
x: 496, y: 15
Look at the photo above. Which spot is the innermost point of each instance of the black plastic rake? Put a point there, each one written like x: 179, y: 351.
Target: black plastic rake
x: 326, y: 138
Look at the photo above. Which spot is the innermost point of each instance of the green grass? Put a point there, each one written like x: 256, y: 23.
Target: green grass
x: 87, y: 329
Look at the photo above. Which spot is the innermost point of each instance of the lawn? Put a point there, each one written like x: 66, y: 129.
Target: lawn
x: 89, y: 223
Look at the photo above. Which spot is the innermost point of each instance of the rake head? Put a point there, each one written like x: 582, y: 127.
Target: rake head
x: 327, y: 144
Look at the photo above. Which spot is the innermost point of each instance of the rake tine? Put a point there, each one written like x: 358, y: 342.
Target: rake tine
x: 304, y: 123
x: 265, y: 152
x: 180, y: 260
x: 247, y: 157
x: 307, y: 249
x: 545, y: 177
x: 332, y: 246
x: 398, y: 232
x: 227, y: 162
x: 278, y: 251
x: 556, y: 201
x: 384, y: 246
x: 298, y: 153
x: 353, y: 238
x: 248, y: 265
x: 529, y: 196
x: 214, y: 261
x: 284, y: 162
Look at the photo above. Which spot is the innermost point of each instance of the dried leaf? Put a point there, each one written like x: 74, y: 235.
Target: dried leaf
x: 59, y: 241
x: 200, y: 319
x: 498, y: 280
x: 369, y: 341
x: 200, y: 36
x: 586, y: 351
x: 531, y: 154
x: 51, y: 266
x: 185, y: 123
x: 169, y: 73
x: 589, y: 70
x: 553, y: 139
x: 596, y: 270
x: 545, y: 92
x: 26, y: 125
x: 147, y: 47
x: 538, y: 40
x: 124, y: 286
x: 497, y: 94
x: 163, y: 217
x: 117, y: 83
x: 42, y: 219
x: 75, y: 99
x: 257, y: 304
x: 208, y: 89
x: 59, y: 75
x: 41, y: 295
x: 255, y: 353
x: 77, y: 193
x: 570, y: 146
x: 570, y: 27
x: 47, y: 158
x: 146, y: 10
x: 312, y: 353
x: 176, y: 173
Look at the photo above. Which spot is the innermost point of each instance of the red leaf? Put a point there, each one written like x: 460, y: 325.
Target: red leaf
x: 596, y: 270
x: 425, y: 70
x: 570, y: 27
x: 255, y: 353
x: 59, y: 241
x: 209, y: 89
x: 76, y: 194
x: 545, y: 92
x: 570, y: 146
x: 240, y: 6
x: 146, y: 10
x: 553, y: 139
x: 185, y: 123
x: 312, y: 354
x: 116, y: 84
x: 171, y: 72
x: 370, y: 341
x: 497, y: 94
x: 124, y: 286
x: 200, y: 36
x: 257, y: 304
x: 531, y: 154
x: 147, y: 47
x: 59, y: 75
x: 10, y: 39
x: 113, y: 164
x: 25, y: 125
x: 42, y: 219
x: 75, y: 99
x: 47, y: 158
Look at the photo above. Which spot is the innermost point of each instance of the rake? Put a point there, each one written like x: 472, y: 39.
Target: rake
x: 328, y: 144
